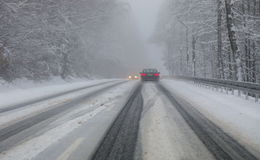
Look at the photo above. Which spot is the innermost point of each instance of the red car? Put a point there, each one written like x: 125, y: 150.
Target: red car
x: 150, y: 75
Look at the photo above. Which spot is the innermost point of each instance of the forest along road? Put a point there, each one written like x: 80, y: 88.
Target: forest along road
x: 123, y: 121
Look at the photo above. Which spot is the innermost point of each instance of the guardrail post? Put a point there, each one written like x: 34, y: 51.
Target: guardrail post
x: 239, y: 93
x: 233, y: 92
x: 246, y: 95
x: 256, y: 97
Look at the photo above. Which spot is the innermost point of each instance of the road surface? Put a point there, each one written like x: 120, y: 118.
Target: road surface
x: 118, y: 120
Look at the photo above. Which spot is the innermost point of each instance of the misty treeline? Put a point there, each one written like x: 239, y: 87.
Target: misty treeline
x: 211, y: 38
x: 65, y: 38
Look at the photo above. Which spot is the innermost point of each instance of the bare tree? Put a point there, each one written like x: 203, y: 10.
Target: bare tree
x: 223, y: 37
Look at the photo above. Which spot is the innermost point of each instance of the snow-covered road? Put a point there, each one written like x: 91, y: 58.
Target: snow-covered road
x: 178, y: 121
x: 164, y: 134
x: 237, y: 117
x: 34, y: 106
x: 23, y: 96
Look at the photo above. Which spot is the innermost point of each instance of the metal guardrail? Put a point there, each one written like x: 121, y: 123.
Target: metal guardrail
x: 249, y: 89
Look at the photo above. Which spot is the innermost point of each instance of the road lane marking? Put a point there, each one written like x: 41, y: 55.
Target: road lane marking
x: 66, y: 154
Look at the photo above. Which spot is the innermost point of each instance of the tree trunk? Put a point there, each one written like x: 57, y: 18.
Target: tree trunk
x: 220, y: 66
x: 246, y: 45
x: 194, y: 55
x: 4, y: 63
x: 257, y: 50
x: 254, y: 50
x: 233, y: 41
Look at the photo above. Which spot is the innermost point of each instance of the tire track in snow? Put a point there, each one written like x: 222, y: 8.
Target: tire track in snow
x: 221, y: 145
x: 21, y: 105
x: 120, y: 141
x: 8, y: 132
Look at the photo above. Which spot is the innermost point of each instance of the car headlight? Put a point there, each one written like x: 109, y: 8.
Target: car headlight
x: 129, y: 77
x: 136, y: 77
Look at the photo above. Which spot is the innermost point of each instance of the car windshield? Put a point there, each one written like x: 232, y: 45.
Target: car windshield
x: 150, y: 71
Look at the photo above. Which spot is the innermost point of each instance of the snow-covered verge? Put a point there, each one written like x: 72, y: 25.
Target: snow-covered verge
x: 22, y: 90
x: 236, y: 116
x: 99, y: 110
x: 12, y: 116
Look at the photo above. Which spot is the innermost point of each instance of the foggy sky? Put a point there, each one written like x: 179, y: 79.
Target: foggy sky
x: 145, y: 14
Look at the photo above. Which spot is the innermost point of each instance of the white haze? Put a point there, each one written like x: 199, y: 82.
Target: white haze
x: 146, y: 14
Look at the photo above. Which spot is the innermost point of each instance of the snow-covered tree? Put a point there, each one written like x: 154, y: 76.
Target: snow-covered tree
x: 44, y: 38
x: 211, y: 38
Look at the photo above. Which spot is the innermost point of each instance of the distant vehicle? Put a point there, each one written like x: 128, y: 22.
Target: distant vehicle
x: 133, y: 77
x: 150, y: 75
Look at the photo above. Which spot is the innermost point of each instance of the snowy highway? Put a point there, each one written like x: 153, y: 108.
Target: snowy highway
x: 126, y: 120
x: 129, y: 80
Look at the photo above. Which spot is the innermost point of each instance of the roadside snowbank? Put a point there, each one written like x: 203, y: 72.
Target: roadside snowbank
x: 236, y: 116
x: 23, y: 90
